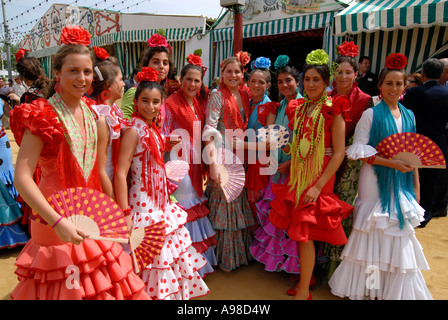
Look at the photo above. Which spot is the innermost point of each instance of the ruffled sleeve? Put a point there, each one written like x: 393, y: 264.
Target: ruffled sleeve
x: 40, y: 118
x: 291, y: 109
x: 339, y: 105
x: 264, y: 110
x: 112, y: 117
x: 214, y: 107
x: 360, y: 147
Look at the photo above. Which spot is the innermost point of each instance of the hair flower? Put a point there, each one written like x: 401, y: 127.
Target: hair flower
x: 75, y: 35
x: 158, y: 40
x: 194, y: 59
x: 348, y: 49
x: 317, y: 57
x: 243, y: 57
x: 261, y: 63
x: 20, y: 54
x: 101, y: 53
x: 396, y: 61
x: 281, y: 61
x: 147, y: 74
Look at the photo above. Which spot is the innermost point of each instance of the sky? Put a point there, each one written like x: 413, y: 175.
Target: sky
x: 19, y: 24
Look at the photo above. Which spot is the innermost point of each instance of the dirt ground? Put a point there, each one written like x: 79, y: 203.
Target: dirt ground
x: 252, y: 282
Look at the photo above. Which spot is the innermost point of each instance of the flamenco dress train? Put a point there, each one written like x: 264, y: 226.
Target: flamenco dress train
x: 381, y: 251
x: 319, y: 220
x: 47, y: 268
x: 173, y: 275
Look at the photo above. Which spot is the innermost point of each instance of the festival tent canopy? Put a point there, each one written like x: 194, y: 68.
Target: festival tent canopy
x: 274, y: 17
x: 415, y: 28
x: 126, y: 32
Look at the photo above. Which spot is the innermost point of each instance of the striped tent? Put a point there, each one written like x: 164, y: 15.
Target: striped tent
x: 415, y: 28
x: 222, y: 39
x: 130, y: 44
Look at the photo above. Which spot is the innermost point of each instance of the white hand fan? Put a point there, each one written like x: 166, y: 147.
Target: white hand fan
x: 176, y: 170
x: 232, y: 173
x: 276, y: 134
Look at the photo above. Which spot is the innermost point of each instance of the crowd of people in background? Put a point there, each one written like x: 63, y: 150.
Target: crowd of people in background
x: 333, y: 208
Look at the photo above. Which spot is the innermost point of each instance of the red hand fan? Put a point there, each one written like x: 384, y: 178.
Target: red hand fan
x: 176, y: 169
x: 146, y: 244
x: 232, y: 173
x: 413, y: 148
x: 91, y: 211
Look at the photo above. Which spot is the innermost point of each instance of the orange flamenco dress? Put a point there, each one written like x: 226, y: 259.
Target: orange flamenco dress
x: 47, y: 268
x: 319, y: 220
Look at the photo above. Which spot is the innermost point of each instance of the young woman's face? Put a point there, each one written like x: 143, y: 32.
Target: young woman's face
x: 345, y: 77
x: 232, y: 75
x: 160, y: 61
x: 76, y: 75
x: 287, y: 85
x: 258, y: 84
x: 191, y: 83
x: 392, y: 87
x: 116, y: 88
x: 148, y: 104
x: 313, y: 84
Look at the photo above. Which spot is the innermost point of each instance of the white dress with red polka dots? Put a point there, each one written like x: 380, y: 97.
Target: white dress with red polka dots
x: 174, y: 273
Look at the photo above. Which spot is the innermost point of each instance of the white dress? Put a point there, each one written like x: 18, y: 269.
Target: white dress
x: 174, y: 273
x: 380, y: 260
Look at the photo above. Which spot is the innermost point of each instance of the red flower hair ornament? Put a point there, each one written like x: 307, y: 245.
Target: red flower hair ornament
x: 101, y: 53
x: 396, y: 61
x: 147, y: 74
x: 75, y: 35
x: 243, y: 57
x: 20, y: 54
x: 348, y: 49
x: 158, y: 40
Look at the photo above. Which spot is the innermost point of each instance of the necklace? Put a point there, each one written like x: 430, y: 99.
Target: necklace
x: 316, y: 134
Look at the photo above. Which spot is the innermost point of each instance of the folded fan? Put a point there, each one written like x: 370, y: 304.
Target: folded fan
x: 91, y: 211
x: 176, y: 169
x: 413, y: 148
x: 232, y: 173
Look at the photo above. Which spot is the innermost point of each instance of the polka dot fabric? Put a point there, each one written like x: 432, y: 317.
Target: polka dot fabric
x: 174, y: 273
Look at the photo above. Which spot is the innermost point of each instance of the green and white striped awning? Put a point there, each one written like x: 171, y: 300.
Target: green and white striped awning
x: 174, y: 34
x: 373, y: 15
x: 267, y: 28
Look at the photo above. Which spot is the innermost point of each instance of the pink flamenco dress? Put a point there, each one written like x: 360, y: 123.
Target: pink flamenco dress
x: 46, y: 267
x: 319, y: 220
x: 173, y: 275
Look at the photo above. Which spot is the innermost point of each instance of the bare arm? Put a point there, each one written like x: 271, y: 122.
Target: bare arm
x: 103, y: 142
x: 128, y: 144
x: 27, y: 159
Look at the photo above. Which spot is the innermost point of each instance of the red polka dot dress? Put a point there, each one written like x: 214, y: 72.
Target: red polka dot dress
x: 174, y: 273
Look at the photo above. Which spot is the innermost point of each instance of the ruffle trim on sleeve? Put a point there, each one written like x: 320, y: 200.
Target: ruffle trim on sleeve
x: 360, y: 151
x: 40, y: 118
x: 335, y: 106
x: 264, y: 110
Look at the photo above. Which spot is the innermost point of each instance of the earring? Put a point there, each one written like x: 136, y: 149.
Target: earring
x: 105, y: 95
x: 57, y: 86
x: 89, y: 92
x: 402, y: 94
x: 380, y: 96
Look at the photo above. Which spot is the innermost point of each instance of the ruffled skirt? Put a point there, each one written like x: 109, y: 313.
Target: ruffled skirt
x: 232, y: 222
x: 174, y: 273
x: 93, y: 270
x: 381, y: 260
x: 198, y: 224
x: 319, y: 221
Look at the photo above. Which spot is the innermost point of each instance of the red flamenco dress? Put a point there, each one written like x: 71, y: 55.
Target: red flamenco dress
x: 319, y: 220
x: 46, y: 266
